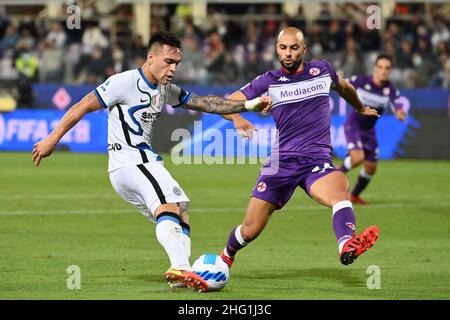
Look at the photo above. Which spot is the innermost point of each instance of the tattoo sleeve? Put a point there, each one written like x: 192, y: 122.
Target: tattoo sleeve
x: 215, y: 104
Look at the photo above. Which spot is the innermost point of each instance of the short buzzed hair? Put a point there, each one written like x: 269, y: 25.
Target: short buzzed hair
x: 164, y: 37
x: 384, y: 56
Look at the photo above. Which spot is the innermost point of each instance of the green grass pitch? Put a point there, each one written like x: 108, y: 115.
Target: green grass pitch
x: 66, y: 213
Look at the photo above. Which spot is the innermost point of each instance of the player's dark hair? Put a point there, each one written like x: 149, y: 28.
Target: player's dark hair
x: 164, y: 37
x: 384, y: 56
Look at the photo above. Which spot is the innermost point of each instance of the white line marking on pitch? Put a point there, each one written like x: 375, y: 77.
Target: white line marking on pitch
x: 67, y: 196
x: 203, y: 209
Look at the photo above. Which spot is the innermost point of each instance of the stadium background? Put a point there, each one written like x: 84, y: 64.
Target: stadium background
x: 45, y: 67
x: 45, y: 64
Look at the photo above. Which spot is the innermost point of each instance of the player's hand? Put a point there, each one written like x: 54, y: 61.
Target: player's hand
x: 42, y: 149
x: 243, y: 127
x: 369, y: 112
x: 401, y: 115
x: 266, y: 103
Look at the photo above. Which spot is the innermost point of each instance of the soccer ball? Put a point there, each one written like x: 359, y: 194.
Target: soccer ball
x: 213, y: 270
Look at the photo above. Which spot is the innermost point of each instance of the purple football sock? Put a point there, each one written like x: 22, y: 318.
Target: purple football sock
x: 343, y: 221
x: 235, y: 242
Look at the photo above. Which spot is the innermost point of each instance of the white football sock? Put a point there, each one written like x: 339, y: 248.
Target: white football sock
x: 187, y: 245
x: 364, y: 174
x: 342, y: 242
x: 170, y: 235
x: 348, y: 163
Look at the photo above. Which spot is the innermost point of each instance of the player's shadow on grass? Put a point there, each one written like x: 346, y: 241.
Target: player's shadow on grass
x: 346, y: 277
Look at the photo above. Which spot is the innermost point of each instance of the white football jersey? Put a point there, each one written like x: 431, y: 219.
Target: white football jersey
x: 134, y: 105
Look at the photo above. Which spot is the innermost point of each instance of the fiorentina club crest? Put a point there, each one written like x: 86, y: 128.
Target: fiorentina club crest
x: 351, y: 225
x: 314, y: 71
x: 261, y: 187
x: 61, y: 98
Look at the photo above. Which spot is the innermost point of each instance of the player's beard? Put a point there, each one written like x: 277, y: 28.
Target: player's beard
x: 294, y: 67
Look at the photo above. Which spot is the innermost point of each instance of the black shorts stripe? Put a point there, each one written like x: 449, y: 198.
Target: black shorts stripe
x: 126, y: 133
x: 154, y: 183
x: 185, y: 226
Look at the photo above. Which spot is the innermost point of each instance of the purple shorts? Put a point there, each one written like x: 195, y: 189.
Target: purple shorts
x: 366, y: 140
x: 277, y: 181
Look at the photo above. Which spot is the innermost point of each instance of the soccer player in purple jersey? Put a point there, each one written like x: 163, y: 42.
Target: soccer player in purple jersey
x: 301, y: 110
x: 377, y: 92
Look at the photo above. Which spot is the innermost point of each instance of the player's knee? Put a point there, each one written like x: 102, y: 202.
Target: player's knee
x: 167, y: 207
x: 340, y: 192
x: 184, y: 217
x: 357, y: 158
x: 370, y: 168
x: 338, y: 197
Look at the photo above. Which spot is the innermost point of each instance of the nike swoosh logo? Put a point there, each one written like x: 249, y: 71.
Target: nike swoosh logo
x: 144, y: 100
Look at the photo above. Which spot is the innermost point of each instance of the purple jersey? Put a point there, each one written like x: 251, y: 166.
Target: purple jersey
x: 301, y: 107
x: 371, y: 95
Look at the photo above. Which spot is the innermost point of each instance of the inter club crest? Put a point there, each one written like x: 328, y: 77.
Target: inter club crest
x: 261, y: 187
x: 314, y: 71
x: 177, y: 191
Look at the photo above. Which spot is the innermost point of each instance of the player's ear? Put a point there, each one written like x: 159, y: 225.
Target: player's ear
x: 304, y: 49
x: 150, y: 56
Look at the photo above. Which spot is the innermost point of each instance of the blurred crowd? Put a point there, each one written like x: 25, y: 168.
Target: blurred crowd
x: 231, y: 45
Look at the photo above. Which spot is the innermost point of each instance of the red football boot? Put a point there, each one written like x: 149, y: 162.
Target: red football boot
x: 175, y: 277
x: 229, y: 261
x: 357, y: 200
x: 357, y: 245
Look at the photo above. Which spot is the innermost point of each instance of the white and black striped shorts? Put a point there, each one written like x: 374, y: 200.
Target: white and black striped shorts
x: 147, y: 186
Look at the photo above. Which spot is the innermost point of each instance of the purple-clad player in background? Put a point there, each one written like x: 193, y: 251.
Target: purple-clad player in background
x: 377, y: 92
x: 301, y: 110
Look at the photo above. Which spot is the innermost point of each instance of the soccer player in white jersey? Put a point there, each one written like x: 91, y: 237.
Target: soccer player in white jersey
x: 135, y: 99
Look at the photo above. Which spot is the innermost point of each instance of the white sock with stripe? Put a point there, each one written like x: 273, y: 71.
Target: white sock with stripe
x: 348, y: 163
x: 170, y: 235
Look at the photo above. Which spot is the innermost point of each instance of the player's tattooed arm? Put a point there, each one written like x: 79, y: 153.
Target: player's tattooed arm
x: 347, y: 91
x: 220, y: 105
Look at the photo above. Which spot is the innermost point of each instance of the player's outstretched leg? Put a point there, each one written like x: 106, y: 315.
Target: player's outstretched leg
x: 258, y: 214
x: 331, y: 190
x: 170, y: 234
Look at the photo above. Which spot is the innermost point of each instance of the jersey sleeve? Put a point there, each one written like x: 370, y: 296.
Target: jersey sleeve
x: 355, y: 81
x: 332, y: 72
x: 257, y: 87
x: 394, y: 99
x: 111, y: 91
x: 177, y: 96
